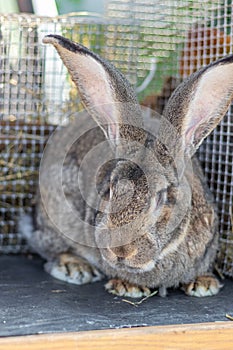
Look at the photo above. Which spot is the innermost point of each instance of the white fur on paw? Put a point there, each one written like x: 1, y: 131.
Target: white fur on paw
x: 73, y: 270
x: 203, y: 286
x: 125, y: 289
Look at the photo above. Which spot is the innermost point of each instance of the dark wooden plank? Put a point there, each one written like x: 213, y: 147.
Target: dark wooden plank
x: 32, y: 302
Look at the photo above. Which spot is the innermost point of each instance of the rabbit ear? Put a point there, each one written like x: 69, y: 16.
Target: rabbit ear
x: 198, y: 104
x: 104, y: 91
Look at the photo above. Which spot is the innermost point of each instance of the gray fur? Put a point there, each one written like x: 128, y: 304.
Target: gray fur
x: 134, y: 241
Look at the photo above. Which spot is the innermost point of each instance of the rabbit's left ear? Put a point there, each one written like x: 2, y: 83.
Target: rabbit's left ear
x: 198, y: 104
x: 105, y: 92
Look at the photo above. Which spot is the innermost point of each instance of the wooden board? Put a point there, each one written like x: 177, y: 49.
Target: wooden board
x: 214, y: 336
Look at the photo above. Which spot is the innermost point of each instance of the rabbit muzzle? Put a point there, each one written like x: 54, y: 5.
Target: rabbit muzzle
x: 138, y: 256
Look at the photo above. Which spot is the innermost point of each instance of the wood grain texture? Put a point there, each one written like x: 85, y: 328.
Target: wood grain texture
x: 214, y: 336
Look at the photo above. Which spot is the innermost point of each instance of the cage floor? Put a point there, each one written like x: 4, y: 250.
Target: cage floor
x: 32, y: 302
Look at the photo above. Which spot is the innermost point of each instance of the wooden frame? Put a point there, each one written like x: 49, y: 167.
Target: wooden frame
x: 214, y: 336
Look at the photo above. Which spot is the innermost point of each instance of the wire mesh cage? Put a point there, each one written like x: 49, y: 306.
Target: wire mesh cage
x: 155, y: 44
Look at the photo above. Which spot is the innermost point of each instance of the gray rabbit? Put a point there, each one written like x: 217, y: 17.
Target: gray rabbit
x: 144, y: 218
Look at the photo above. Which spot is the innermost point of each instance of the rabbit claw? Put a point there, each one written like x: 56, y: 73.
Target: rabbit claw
x: 125, y: 289
x: 73, y: 269
x: 203, y: 286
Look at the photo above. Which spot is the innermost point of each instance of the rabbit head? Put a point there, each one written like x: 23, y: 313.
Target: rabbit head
x: 149, y: 200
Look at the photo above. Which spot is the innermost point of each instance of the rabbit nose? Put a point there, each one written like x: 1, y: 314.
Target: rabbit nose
x: 124, y: 252
x: 120, y: 259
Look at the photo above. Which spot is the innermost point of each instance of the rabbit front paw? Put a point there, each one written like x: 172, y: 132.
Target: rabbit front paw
x: 125, y: 289
x: 73, y: 269
x: 203, y: 286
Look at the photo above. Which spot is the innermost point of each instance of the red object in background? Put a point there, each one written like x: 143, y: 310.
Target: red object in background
x: 202, y: 46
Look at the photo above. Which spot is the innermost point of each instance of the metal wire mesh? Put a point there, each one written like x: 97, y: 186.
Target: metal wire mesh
x: 36, y: 94
x: 154, y: 43
x: 206, y: 41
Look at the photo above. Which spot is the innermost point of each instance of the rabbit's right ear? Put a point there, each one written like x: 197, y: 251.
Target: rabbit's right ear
x: 104, y: 91
x: 197, y: 106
